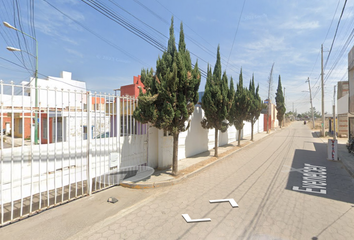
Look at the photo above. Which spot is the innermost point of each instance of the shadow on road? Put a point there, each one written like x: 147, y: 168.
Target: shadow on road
x: 311, y: 173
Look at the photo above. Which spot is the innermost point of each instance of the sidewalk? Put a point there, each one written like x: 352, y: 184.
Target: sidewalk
x: 345, y: 158
x: 85, y: 214
x: 192, y: 165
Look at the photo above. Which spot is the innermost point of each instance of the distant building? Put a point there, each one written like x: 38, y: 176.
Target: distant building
x: 271, y: 116
x: 132, y: 89
x: 127, y: 107
x: 62, y: 110
x: 343, y: 108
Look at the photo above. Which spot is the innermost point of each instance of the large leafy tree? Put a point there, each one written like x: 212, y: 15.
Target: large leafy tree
x: 240, y: 107
x: 255, y: 105
x: 215, y: 101
x: 171, y: 92
x: 280, y: 103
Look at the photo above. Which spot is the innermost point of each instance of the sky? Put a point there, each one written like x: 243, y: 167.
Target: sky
x: 252, y: 34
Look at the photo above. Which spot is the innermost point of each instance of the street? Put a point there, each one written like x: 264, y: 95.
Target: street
x: 261, y: 179
x: 284, y: 186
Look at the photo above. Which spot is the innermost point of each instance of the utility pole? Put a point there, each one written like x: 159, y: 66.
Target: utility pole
x: 323, y: 112
x: 334, y: 114
x: 313, y: 118
x: 284, y: 106
x: 268, y: 105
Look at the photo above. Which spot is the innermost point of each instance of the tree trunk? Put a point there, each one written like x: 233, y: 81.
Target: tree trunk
x: 216, y: 143
x: 280, y: 123
x: 239, y: 137
x: 252, y: 130
x: 175, y: 154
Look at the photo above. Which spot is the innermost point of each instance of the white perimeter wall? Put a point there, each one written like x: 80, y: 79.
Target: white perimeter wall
x: 193, y: 141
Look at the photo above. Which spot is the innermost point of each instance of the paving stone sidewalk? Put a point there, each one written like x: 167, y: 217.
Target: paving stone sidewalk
x: 346, y: 158
x: 192, y: 165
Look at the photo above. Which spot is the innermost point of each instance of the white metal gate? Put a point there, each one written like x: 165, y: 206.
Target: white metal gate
x: 68, y: 144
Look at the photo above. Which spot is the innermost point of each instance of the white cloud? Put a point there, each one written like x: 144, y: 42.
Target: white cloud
x: 267, y: 42
x: 74, y: 52
x: 300, y: 25
x: 53, y: 23
x: 253, y: 17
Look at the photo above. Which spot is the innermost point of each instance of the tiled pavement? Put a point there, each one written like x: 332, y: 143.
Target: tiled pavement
x: 193, y: 165
x: 258, y: 181
x: 257, y: 177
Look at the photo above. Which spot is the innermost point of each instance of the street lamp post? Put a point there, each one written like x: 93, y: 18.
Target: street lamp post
x: 6, y: 24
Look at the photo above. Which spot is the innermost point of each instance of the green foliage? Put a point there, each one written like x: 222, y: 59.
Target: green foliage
x: 215, y: 101
x: 255, y: 105
x: 240, y: 106
x: 171, y: 92
x: 280, y: 103
x: 255, y: 102
x: 308, y: 114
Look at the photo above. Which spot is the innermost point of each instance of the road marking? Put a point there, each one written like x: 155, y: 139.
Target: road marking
x: 230, y: 200
x: 189, y: 220
x: 291, y: 169
x: 313, y: 177
x: 296, y: 188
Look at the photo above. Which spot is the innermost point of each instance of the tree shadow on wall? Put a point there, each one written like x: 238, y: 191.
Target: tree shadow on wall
x: 196, y: 140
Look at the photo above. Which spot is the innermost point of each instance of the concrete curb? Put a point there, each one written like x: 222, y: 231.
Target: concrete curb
x: 347, y: 168
x: 181, y: 178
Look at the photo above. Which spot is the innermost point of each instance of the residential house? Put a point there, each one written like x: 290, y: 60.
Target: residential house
x: 132, y: 90
x: 6, y: 121
x: 342, y: 109
x: 61, y: 111
x: 270, y: 120
x: 57, y: 97
x: 128, y: 101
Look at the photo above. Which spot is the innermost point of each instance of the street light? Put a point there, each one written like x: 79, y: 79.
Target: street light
x: 12, y: 49
x: 8, y: 25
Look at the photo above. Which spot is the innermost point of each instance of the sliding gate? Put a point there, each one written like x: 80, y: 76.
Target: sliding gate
x: 66, y: 145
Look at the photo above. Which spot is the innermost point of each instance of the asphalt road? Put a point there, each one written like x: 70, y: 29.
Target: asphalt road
x: 284, y: 186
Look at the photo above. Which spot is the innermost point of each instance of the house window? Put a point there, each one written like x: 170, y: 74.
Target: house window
x: 84, y: 129
x: 45, y: 128
x: 20, y: 125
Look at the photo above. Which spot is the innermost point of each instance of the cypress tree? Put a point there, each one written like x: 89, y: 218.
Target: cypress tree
x: 231, y: 94
x: 280, y: 103
x: 240, y: 107
x: 171, y: 92
x: 255, y: 104
x: 215, y: 102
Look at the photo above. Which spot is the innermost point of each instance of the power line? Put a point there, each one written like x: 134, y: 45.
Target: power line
x: 154, y: 29
x: 238, y: 24
x: 15, y: 64
x: 335, y: 34
x: 114, y: 17
x: 99, y: 36
x: 205, y: 49
x: 332, y: 20
x: 140, y: 33
x: 340, y: 55
x: 20, y: 39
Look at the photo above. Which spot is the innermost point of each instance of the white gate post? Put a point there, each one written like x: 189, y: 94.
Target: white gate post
x: 89, y: 154
x: 118, y: 131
